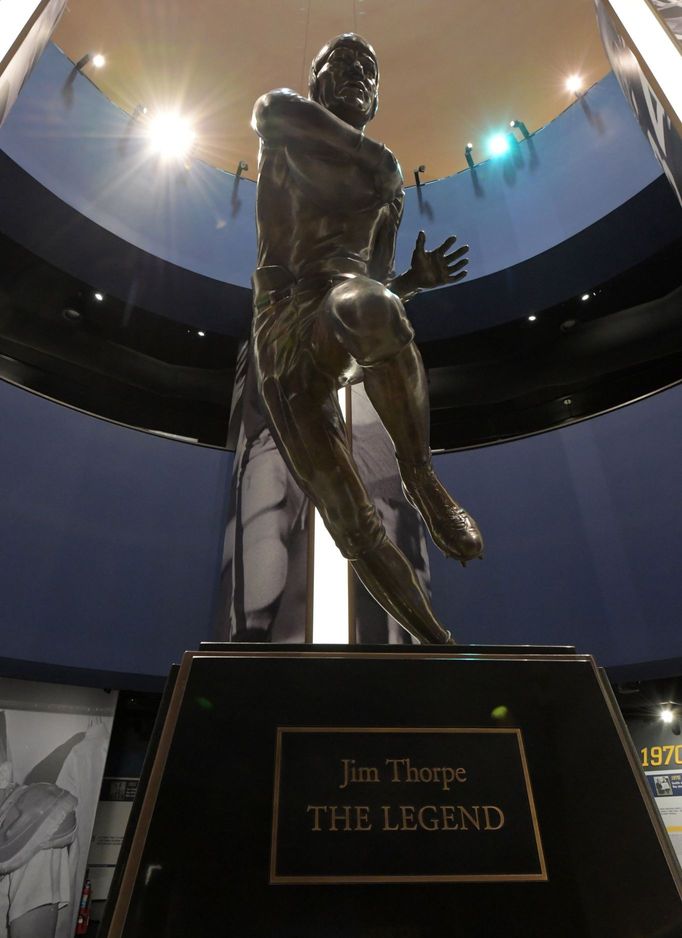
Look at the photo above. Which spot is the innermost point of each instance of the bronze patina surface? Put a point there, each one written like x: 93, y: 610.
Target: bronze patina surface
x: 329, y: 309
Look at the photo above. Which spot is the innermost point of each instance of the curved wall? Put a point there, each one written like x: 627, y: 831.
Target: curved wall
x: 86, y: 151
x: 583, y: 530
x: 112, y: 539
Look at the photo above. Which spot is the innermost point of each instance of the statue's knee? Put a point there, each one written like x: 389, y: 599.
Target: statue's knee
x: 369, y: 320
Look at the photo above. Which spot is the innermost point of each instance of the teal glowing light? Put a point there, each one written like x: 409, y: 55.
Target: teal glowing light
x: 498, y: 144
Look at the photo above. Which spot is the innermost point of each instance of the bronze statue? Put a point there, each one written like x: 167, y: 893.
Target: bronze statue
x: 328, y: 309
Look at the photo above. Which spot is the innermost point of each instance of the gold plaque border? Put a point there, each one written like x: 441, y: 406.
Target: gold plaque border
x: 277, y: 879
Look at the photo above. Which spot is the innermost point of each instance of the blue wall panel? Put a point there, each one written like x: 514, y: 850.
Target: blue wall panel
x: 583, y: 530
x: 111, y: 539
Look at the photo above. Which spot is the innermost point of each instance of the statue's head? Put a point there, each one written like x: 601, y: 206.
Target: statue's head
x: 344, y: 78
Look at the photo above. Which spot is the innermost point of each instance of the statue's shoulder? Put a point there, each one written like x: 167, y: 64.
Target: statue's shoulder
x: 279, y: 96
x: 276, y: 109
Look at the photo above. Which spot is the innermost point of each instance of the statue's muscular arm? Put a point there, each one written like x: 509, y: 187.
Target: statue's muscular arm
x: 318, y: 143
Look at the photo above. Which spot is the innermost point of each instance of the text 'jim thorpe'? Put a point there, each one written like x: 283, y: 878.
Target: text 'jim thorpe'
x: 404, y: 817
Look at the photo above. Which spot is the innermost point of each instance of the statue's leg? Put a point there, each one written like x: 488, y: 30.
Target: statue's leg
x: 306, y: 421
x: 370, y: 322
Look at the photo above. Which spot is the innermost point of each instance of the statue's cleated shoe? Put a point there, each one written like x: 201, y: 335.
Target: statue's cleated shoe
x: 452, y: 528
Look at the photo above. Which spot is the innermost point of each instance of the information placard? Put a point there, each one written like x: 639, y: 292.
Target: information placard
x: 396, y: 804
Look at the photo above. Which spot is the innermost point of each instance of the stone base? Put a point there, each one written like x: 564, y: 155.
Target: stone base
x: 394, y: 793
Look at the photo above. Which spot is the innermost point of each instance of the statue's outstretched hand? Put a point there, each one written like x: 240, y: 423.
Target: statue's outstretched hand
x: 437, y: 268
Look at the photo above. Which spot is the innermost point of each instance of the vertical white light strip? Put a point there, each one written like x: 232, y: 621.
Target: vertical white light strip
x: 656, y: 47
x: 330, y: 582
x: 14, y: 15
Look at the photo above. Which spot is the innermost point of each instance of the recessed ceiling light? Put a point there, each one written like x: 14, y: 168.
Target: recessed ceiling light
x: 99, y: 297
x: 202, y: 334
x: 585, y: 296
x: 98, y: 60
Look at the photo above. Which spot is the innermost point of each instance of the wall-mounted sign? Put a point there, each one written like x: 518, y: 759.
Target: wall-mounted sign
x: 660, y: 753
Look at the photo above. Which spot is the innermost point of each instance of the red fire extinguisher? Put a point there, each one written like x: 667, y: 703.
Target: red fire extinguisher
x: 84, y: 909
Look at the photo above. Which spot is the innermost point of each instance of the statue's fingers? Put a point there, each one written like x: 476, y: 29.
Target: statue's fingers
x: 460, y: 276
x: 421, y: 241
x: 446, y: 245
x: 460, y: 265
x: 458, y: 253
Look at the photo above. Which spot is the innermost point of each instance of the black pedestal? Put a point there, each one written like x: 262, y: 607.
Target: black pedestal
x: 317, y: 793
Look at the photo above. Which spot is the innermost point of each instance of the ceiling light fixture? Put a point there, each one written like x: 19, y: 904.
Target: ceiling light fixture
x: 96, y: 58
x: 467, y: 154
x: 171, y: 135
x: 574, y: 84
x: 519, y: 125
x: 498, y: 144
x: 417, y: 177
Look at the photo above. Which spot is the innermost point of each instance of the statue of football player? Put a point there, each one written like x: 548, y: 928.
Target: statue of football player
x: 328, y: 310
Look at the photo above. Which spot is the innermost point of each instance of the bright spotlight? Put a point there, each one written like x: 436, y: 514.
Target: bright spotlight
x: 585, y: 297
x: 171, y: 135
x: 498, y: 144
x: 98, y: 60
x: 573, y: 84
x: 98, y: 296
x: 532, y: 318
x: 667, y: 715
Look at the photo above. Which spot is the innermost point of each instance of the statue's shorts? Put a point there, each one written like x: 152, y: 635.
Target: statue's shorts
x: 339, y: 320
